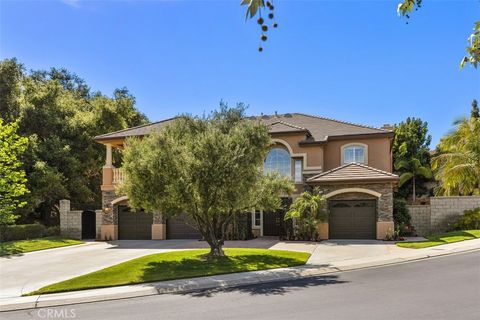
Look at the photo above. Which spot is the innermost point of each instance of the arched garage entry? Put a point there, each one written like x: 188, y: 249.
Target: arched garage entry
x: 350, y: 217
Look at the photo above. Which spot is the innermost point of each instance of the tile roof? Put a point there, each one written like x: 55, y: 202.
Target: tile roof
x: 135, y: 131
x: 282, y: 126
x: 351, y: 172
x: 320, y: 128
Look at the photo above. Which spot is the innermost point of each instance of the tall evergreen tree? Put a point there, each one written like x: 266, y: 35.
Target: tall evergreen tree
x: 60, y: 115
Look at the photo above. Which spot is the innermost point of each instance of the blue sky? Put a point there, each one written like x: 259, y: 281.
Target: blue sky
x: 349, y: 60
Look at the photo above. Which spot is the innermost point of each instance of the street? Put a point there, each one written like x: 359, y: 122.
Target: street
x: 438, y: 288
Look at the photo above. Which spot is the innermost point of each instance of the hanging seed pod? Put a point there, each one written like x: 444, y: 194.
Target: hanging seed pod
x: 264, y: 37
x: 260, y: 21
x: 275, y: 25
x: 269, y: 3
x: 264, y: 28
x: 270, y: 15
x: 260, y: 49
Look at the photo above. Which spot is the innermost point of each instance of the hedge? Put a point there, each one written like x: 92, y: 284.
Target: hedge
x: 27, y: 231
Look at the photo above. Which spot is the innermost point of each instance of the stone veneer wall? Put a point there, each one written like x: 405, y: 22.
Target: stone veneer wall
x: 70, y: 221
x: 110, y: 217
x: 98, y: 223
x: 441, y: 213
x: 385, y: 202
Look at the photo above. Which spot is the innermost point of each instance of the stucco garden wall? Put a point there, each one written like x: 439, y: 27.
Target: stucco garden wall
x: 441, y: 213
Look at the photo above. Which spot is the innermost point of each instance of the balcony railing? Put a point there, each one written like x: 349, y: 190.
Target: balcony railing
x: 118, y: 176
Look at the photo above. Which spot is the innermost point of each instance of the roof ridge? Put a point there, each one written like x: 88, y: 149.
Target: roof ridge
x: 350, y: 164
x: 288, y: 124
x: 330, y: 171
x: 344, y: 122
x: 136, y: 127
x: 375, y: 169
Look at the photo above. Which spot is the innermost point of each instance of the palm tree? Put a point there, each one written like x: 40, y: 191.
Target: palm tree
x: 412, y: 170
x: 457, y: 166
x: 309, y: 210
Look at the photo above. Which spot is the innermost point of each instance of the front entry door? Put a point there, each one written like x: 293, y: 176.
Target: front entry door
x: 274, y: 223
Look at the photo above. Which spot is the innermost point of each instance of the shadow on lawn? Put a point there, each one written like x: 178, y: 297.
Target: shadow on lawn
x: 444, y: 237
x: 195, y: 267
x: 272, y: 288
x: 8, y: 250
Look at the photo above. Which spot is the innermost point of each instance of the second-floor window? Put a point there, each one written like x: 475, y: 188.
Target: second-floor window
x: 298, y: 171
x: 278, y: 160
x: 354, y: 153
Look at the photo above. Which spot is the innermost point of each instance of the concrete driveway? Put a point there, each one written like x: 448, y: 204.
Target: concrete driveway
x: 25, y: 273
x: 340, y: 252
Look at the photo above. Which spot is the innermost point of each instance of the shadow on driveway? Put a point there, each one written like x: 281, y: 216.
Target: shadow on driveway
x: 190, y: 244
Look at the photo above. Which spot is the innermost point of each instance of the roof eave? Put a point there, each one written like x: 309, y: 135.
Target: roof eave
x: 389, y: 134
x: 380, y: 179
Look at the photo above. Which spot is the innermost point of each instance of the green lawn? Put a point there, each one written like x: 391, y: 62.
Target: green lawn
x: 443, y: 238
x: 178, y: 265
x: 22, y: 246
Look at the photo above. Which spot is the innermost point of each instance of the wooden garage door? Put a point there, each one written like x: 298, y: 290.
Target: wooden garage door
x: 177, y: 228
x: 134, y: 225
x: 352, y: 219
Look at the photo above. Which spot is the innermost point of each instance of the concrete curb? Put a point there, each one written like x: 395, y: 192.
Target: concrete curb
x: 219, y: 281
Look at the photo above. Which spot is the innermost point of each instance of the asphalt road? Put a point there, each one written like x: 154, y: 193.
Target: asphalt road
x: 438, y: 288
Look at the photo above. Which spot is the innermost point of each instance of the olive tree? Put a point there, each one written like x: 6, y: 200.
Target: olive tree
x: 209, y: 168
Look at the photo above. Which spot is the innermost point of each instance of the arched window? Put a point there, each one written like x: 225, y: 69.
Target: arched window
x: 278, y: 160
x: 354, y: 153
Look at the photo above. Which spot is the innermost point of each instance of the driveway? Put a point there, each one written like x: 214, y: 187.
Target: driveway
x: 341, y: 252
x: 25, y: 273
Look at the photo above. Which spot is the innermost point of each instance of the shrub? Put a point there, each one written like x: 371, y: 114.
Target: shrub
x: 23, y: 231
x: 52, y: 231
x: 402, y: 217
x: 393, y: 235
x: 400, y: 212
x: 469, y: 220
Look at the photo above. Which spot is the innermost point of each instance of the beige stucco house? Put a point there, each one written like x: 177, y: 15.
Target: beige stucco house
x: 352, y: 164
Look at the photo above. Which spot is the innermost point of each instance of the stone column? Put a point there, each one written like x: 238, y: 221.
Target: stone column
x: 64, y: 210
x: 159, y: 227
x: 107, y: 170
x: 108, y: 157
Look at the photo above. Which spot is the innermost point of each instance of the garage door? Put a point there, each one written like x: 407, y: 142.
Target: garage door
x: 354, y: 219
x: 134, y: 225
x: 178, y: 228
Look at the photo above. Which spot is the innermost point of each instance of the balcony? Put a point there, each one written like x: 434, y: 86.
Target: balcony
x: 118, y: 176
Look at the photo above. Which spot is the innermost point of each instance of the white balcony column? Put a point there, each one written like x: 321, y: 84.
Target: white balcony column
x: 108, y: 158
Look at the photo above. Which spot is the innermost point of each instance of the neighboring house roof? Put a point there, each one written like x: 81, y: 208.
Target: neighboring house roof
x: 319, y: 129
x: 135, y: 131
x: 352, y: 172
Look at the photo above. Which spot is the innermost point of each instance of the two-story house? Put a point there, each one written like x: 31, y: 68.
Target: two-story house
x: 351, y: 163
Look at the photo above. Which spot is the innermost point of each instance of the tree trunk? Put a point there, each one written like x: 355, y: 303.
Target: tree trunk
x: 216, y: 250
